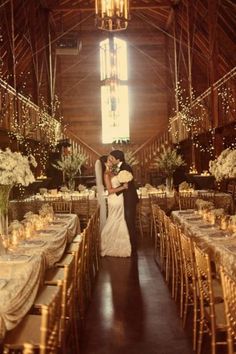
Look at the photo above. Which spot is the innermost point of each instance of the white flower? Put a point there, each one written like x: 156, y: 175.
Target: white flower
x: 124, y: 176
x: 15, y: 168
x: 232, y: 220
x: 130, y: 158
x: 71, y: 164
x: 169, y: 161
x: 224, y: 166
x: 204, y: 205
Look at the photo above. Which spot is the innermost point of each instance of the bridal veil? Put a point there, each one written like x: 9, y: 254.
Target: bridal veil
x: 100, y: 192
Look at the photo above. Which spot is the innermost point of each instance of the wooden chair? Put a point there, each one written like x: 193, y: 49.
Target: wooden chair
x: 81, y: 207
x: 190, y: 293
x: 229, y: 291
x: 208, y: 196
x: 64, y: 272
x: 159, y: 199
x: 163, y: 240
x: 212, y: 314
x: 41, y: 331
x: 186, y: 200
x: 167, y: 247
x: 177, y: 264
x: 76, y: 247
x: 95, y: 244
x: 62, y: 207
x: 86, y: 263
x: 231, y: 189
x: 139, y: 216
x: 157, y: 230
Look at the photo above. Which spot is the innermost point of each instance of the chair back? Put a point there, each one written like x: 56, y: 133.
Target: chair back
x: 189, y: 264
x: 186, y: 200
x: 61, y: 206
x: 159, y: 199
x: 81, y: 207
x: 208, y: 196
x: 229, y: 291
x: 50, y: 324
x: 204, y: 277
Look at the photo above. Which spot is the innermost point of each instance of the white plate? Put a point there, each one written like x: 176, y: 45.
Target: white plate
x: 194, y: 218
x: 61, y: 216
x: 206, y: 227
x: 186, y: 212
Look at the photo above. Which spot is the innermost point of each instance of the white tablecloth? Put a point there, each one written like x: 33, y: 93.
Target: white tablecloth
x: 221, y: 245
x: 20, y: 276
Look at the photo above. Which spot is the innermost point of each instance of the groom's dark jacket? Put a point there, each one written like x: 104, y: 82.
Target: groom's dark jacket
x: 130, y: 194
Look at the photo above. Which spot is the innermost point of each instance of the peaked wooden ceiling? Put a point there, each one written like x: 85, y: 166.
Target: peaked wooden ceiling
x: 32, y: 64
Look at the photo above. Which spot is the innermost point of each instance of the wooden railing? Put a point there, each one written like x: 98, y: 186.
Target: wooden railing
x: 201, y: 117
x: 146, y: 154
x: 82, y: 146
x: 25, y: 120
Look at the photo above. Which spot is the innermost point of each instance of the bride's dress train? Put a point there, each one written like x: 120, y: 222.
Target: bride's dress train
x: 115, y: 236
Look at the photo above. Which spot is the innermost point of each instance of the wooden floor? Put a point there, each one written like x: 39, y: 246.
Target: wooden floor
x: 132, y: 311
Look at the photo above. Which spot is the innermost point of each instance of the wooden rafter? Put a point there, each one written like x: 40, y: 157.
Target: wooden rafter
x: 134, y: 5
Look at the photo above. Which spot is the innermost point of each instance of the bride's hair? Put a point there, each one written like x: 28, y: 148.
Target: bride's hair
x: 103, y: 160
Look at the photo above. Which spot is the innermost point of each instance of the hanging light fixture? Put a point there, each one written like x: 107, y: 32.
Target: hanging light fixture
x: 112, y: 15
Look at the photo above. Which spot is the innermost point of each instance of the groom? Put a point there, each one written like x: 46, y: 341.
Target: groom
x: 130, y: 197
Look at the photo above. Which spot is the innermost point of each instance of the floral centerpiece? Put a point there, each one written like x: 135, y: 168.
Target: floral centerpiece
x: 14, y: 169
x: 203, y: 206
x: 130, y: 158
x: 185, y: 186
x: 215, y: 215
x: 232, y: 223
x: 70, y: 165
x: 168, y: 161
x: 224, y: 166
x: 82, y: 188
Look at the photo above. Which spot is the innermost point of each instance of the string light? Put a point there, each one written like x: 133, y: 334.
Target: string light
x: 227, y: 99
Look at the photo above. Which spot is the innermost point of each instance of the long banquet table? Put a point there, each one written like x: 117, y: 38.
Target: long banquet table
x: 220, y: 244
x: 18, y: 208
x: 22, y: 270
x: 222, y: 200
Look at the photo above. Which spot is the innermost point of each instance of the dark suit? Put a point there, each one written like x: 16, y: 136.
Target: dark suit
x: 130, y: 201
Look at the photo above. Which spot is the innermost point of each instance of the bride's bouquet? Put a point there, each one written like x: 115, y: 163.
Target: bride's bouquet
x: 124, y: 176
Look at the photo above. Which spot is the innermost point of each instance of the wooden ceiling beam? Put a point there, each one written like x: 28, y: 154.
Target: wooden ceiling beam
x: 139, y: 5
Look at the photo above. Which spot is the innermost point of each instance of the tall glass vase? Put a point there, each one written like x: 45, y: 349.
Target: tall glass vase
x: 71, y: 184
x: 4, y: 198
x: 169, y: 183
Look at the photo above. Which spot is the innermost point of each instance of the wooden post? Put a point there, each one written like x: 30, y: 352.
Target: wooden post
x: 190, y: 87
x: 13, y: 45
x: 176, y: 66
x: 213, y: 6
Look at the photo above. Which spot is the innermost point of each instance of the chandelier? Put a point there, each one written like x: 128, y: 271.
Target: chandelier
x: 112, y: 15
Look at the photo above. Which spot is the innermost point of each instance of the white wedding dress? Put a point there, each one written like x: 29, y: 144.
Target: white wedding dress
x: 115, y: 236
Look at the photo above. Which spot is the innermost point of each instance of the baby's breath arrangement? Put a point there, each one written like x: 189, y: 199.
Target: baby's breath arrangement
x: 15, y: 168
x: 130, y: 158
x: 168, y: 161
x: 71, y: 164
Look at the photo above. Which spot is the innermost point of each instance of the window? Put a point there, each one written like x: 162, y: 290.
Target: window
x: 114, y: 90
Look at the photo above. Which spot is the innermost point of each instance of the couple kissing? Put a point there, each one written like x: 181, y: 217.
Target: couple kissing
x: 118, y: 236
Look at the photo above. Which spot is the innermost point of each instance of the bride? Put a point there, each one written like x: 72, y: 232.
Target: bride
x: 115, y: 236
